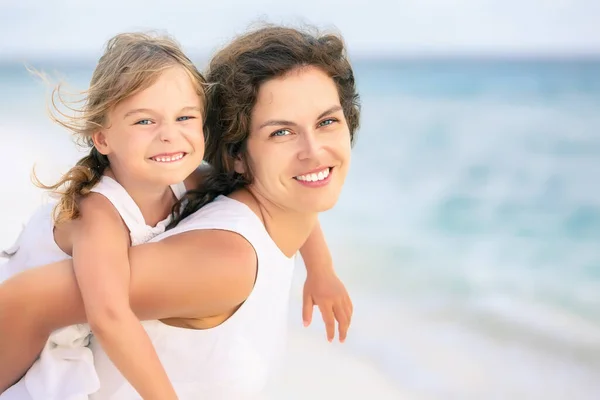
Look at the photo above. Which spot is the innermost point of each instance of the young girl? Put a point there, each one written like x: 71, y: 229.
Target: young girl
x: 143, y: 120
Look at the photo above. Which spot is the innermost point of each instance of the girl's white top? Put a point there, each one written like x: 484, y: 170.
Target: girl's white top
x: 65, y: 369
x: 235, y: 360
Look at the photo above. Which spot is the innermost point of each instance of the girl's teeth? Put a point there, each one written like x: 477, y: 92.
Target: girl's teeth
x: 169, y: 159
x: 314, y: 177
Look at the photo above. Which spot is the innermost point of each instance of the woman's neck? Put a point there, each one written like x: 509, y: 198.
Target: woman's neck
x: 155, y: 202
x: 288, y: 229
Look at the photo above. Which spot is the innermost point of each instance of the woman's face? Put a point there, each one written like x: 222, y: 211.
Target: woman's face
x: 299, y: 143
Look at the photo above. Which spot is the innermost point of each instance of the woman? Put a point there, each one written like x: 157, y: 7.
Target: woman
x: 213, y: 290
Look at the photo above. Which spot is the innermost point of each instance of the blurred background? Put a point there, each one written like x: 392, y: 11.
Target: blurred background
x: 468, y: 232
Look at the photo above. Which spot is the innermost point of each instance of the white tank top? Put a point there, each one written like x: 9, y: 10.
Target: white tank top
x: 65, y: 368
x: 35, y: 245
x: 236, y: 359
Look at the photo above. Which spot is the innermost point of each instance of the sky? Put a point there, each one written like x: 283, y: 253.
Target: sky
x: 399, y: 27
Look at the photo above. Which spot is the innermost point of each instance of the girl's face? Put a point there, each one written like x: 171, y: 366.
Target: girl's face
x: 155, y: 137
x: 299, y: 143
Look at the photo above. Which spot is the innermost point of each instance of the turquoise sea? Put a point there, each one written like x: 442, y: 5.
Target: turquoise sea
x: 468, y: 232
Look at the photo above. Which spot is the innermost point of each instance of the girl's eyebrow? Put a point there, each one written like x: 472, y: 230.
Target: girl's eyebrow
x: 147, y: 110
x: 136, y: 111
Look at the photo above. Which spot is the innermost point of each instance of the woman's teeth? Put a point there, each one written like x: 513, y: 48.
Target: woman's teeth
x: 316, y: 176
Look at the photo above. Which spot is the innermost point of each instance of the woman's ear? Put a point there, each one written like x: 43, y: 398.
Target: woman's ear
x: 239, y: 166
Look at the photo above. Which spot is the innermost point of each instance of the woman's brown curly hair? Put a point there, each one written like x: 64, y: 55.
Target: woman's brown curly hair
x: 234, y: 77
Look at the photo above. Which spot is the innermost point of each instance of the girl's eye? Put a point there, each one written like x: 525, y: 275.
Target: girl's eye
x: 186, y: 118
x: 281, y: 132
x: 327, y: 121
x: 143, y: 122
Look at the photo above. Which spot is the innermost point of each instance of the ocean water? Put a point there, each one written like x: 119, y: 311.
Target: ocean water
x: 468, y: 232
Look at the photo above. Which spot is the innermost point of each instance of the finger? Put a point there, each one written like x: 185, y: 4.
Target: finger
x: 349, y: 301
x: 348, y: 309
x: 329, y: 320
x: 348, y: 312
x: 343, y: 321
x: 307, y: 309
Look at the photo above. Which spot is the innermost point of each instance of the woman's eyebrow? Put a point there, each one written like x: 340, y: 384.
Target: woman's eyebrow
x: 280, y: 122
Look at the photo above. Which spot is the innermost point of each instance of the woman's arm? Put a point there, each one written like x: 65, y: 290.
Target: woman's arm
x: 194, y: 274
x: 21, y: 336
x: 101, y: 264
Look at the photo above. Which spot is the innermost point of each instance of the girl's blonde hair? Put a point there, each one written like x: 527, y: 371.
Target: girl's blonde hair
x: 131, y: 63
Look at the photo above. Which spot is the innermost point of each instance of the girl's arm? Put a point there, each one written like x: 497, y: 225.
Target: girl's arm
x: 315, y: 253
x: 323, y: 288
x: 101, y: 265
x: 188, y: 275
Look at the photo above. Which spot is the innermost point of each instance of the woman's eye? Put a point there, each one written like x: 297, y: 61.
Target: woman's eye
x: 281, y: 132
x: 143, y: 122
x: 327, y: 121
